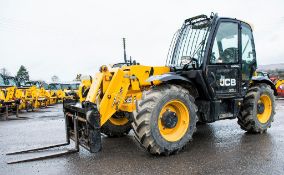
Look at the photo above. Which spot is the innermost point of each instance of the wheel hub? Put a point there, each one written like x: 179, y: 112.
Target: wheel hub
x: 260, y: 108
x: 169, y: 119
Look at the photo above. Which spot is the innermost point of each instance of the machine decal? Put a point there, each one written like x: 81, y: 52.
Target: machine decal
x: 227, y: 81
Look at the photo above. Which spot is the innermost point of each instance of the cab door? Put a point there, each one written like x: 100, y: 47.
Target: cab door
x: 223, y: 70
x: 248, y: 56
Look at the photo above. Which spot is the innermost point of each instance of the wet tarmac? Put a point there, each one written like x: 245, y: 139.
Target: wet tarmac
x: 217, y: 148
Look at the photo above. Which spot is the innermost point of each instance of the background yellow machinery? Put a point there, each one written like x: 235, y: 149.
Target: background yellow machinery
x: 31, y: 95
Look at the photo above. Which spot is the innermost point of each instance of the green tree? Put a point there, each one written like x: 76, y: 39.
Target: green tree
x: 23, y: 74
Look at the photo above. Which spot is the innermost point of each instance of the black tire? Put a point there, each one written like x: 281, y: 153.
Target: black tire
x: 247, y: 118
x: 199, y: 123
x: 145, y: 124
x: 112, y: 130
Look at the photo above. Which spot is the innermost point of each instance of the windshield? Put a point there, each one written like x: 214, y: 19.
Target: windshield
x: 2, y: 82
x: 28, y: 83
x: 31, y: 83
x: 54, y: 86
x: 188, y: 44
x: 75, y: 86
x: 45, y: 85
x: 12, y: 82
x: 37, y: 84
x: 65, y: 86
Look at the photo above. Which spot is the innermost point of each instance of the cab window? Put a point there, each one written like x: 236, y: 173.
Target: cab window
x: 225, y: 47
x: 248, y: 53
x: 2, y: 82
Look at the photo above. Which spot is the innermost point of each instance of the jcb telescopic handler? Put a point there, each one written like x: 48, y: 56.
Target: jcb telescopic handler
x: 207, y: 77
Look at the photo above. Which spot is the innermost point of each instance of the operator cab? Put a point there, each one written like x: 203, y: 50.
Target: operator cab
x: 65, y: 86
x: 10, y: 81
x: 217, y: 56
x: 75, y: 86
x: 54, y: 86
x: 38, y: 84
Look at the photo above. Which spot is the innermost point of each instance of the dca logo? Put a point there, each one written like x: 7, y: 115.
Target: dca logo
x: 227, y: 81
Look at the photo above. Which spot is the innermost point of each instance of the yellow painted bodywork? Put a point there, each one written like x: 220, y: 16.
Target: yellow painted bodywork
x: 265, y: 116
x: 9, y: 95
x: 117, y: 89
x: 85, y: 84
x: 66, y: 92
x: 118, y: 121
x: 2, y: 95
x: 60, y: 95
x: 20, y: 94
x: 10, y: 91
x: 32, y: 96
x: 52, y: 96
x: 279, y: 83
x: 37, y: 97
x: 2, y: 98
x: 27, y: 97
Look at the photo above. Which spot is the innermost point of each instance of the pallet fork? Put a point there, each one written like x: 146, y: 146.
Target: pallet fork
x: 72, y: 133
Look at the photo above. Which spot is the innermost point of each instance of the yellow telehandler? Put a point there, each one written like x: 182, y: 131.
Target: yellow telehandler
x: 70, y: 89
x: 57, y: 90
x: 9, y: 102
x: 208, y: 77
x: 36, y: 92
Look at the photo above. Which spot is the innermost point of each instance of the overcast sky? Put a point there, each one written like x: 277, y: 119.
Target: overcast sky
x: 64, y: 37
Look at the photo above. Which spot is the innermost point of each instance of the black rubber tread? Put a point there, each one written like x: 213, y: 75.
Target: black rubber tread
x: 247, y: 118
x: 145, y: 124
x: 112, y: 130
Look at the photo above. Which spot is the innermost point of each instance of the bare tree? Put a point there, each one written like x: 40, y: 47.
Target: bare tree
x: 5, y: 72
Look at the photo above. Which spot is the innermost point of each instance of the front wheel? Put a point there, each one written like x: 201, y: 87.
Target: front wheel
x: 165, y: 119
x: 118, y: 125
x: 258, y: 109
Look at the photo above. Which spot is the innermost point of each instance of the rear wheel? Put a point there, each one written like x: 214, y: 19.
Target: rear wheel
x: 165, y: 119
x: 258, y: 109
x: 118, y: 125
